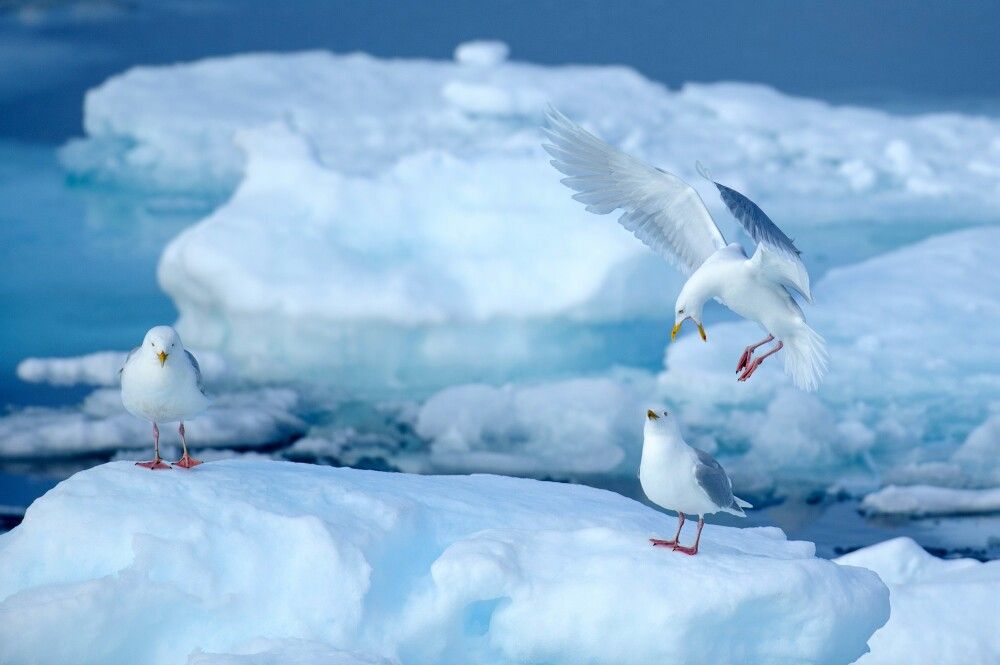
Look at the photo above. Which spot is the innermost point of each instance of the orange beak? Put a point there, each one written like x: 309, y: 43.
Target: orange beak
x: 162, y: 355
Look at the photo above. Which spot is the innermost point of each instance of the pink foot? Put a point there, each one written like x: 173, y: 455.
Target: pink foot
x: 751, y: 368
x: 691, y: 551
x: 656, y: 542
x: 154, y: 465
x: 187, y: 462
x: 744, y: 359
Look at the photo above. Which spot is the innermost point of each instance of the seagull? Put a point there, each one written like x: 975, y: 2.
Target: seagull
x: 161, y: 382
x: 678, y: 477
x: 669, y: 216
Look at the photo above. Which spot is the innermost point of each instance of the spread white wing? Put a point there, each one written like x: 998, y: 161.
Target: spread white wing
x: 776, y: 255
x: 659, y: 208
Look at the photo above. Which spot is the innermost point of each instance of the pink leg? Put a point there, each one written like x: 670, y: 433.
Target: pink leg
x: 697, y: 539
x: 748, y: 352
x: 186, y: 461
x: 752, y: 367
x: 156, y: 463
x: 656, y: 542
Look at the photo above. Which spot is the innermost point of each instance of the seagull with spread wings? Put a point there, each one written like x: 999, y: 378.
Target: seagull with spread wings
x: 668, y: 215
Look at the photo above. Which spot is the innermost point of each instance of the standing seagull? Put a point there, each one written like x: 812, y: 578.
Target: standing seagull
x: 667, y: 214
x: 678, y: 477
x: 161, y: 382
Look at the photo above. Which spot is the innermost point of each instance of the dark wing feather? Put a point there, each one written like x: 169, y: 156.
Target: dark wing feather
x: 756, y: 222
x: 712, y: 478
x: 776, y: 255
x: 197, y: 371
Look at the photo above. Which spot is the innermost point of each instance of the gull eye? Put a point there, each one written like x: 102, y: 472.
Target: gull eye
x: 680, y: 311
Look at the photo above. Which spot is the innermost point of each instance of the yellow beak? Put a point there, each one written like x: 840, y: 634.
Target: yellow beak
x: 162, y: 355
x: 651, y: 415
x: 677, y: 327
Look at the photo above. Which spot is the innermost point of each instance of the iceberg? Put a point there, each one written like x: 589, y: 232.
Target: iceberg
x: 259, y: 561
x: 943, y: 611
x: 396, y: 222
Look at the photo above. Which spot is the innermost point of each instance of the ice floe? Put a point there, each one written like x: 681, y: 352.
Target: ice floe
x: 243, y: 419
x: 928, y: 501
x: 243, y: 557
x: 101, y: 368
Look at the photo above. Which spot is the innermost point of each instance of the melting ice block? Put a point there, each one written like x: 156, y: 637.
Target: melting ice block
x: 118, y: 564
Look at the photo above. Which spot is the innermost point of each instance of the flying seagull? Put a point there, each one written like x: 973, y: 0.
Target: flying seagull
x: 161, y: 382
x: 668, y: 215
x: 678, y: 477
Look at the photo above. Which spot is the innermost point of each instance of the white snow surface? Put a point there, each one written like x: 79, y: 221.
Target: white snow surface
x: 251, y: 418
x: 928, y: 501
x: 943, y: 611
x: 388, y: 194
x: 261, y: 558
x: 101, y: 368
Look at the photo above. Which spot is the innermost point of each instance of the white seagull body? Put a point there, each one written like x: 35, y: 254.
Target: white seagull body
x: 669, y: 216
x: 161, y: 382
x: 678, y: 477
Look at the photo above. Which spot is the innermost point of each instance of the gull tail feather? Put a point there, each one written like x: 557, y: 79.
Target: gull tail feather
x: 805, y: 358
x: 737, y: 507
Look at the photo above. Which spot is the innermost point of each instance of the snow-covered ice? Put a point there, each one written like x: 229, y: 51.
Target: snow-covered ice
x: 943, y: 611
x: 252, y: 418
x: 120, y: 565
x: 928, y: 501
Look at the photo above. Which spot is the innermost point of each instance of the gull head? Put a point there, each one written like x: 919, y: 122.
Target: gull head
x: 683, y: 313
x: 659, y: 423
x: 690, y: 301
x: 161, y: 341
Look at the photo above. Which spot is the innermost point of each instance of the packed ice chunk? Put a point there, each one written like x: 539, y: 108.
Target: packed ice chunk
x: 943, y: 611
x: 121, y: 565
x: 927, y: 501
x: 912, y: 343
x: 252, y: 418
x: 564, y: 428
x: 101, y: 368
